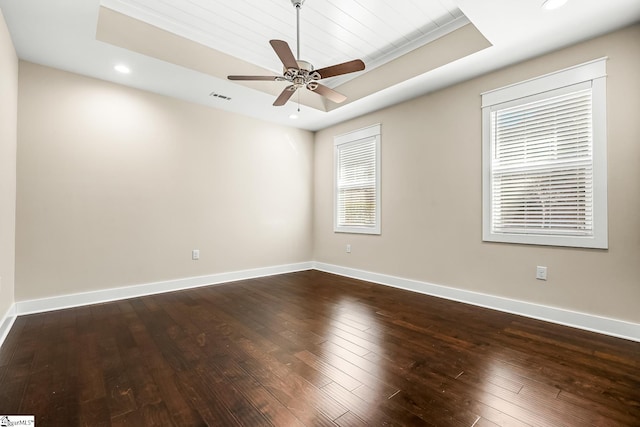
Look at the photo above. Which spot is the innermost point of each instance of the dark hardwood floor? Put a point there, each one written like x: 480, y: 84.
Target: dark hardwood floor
x: 311, y: 349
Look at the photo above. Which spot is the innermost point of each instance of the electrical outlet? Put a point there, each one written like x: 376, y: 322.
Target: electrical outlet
x: 541, y: 272
x: 195, y: 254
x: 348, y: 249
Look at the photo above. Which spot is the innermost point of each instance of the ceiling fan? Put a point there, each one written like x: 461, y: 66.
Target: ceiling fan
x: 301, y: 73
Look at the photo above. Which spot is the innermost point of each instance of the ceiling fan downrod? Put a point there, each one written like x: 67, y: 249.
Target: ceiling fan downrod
x: 297, y: 4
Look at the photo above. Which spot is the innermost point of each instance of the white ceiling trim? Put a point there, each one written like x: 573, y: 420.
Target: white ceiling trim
x: 412, y: 45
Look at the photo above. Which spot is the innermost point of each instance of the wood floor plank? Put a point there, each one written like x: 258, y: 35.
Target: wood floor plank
x: 312, y: 349
x: 495, y: 416
x: 357, y: 367
x: 191, y: 389
x: 15, y: 342
x: 283, y: 364
x: 215, y: 385
x: 165, y: 379
x: 373, y: 411
x: 92, y: 413
x: 297, y: 395
x: 14, y: 383
x: 609, y: 415
x: 118, y: 385
x: 349, y: 419
x: 329, y: 369
x: 272, y: 409
x: 483, y: 422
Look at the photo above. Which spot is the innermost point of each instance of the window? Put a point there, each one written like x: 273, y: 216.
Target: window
x: 357, y: 181
x: 544, y: 160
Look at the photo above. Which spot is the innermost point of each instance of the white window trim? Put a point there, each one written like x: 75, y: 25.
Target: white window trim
x: 367, y: 133
x: 594, y: 72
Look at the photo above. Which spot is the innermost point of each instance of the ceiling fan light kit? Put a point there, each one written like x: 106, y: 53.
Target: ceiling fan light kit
x: 301, y: 73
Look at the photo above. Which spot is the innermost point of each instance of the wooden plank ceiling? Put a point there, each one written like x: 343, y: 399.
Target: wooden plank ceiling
x: 332, y: 31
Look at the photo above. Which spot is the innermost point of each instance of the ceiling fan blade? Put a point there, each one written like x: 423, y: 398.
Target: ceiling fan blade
x: 269, y: 78
x: 329, y: 93
x: 339, y: 69
x: 284, y: 96
x: 284, y: 53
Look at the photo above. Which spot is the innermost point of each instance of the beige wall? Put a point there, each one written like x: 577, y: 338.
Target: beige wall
x: 116, y: 186
x: 431, y: 195
x: 8, y: 139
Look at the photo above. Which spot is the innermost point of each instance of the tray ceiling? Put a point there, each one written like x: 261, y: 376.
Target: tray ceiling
x: 186, y: 48
x: 448, y: 43
x: 332, y: 31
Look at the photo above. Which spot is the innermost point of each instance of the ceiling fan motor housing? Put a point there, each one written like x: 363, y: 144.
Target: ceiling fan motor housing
x: 297, y: 3
x: 302, y: 75
x: 305, y: 66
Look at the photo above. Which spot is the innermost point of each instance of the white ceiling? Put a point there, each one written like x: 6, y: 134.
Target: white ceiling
x: 62, y: 34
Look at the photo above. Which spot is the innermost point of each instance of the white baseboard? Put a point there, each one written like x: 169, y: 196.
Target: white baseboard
x: 6, y: 322
x: 113, y: 294
x: 603, y: 325
x: 589, y: 322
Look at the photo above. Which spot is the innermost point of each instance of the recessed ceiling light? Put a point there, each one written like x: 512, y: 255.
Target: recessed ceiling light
x: 121, y: 68
x: 553, y: 4
x: 293, y: 116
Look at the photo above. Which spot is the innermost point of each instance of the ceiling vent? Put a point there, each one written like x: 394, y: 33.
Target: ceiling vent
x: 217, y: 95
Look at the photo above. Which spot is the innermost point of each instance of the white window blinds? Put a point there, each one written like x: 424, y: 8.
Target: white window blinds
x: 542, y: 166
x: 544, y: 159
x: 357, y: 195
